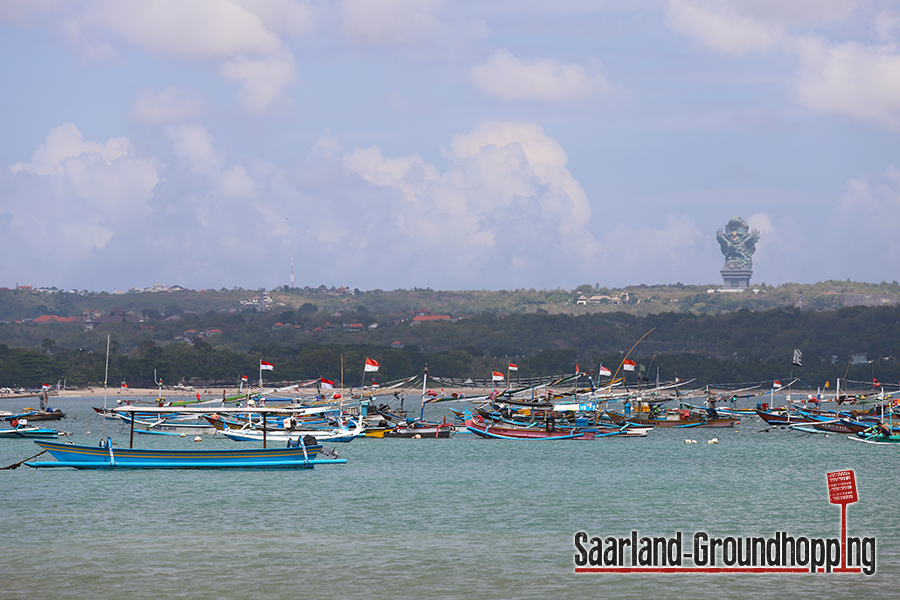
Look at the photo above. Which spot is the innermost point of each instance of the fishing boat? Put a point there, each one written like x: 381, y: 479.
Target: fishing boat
x: 675, y: 417
x: 483, y: 428
x: 294, y: 456
x: 337, y: 434
x: 420, y: 429
x: 33, y: 414
x: 21, y: 429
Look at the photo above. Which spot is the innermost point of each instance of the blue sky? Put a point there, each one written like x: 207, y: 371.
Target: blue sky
x: 454, y: 145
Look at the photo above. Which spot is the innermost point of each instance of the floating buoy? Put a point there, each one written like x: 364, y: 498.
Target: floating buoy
x: 417, y: 437
x: 687, y: 441
x: 196, y: 439
x: 693, y: 441
x: 713, y: 441
x: 182, y: 435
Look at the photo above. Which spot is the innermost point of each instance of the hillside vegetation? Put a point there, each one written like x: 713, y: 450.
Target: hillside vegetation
x: 211, y: 336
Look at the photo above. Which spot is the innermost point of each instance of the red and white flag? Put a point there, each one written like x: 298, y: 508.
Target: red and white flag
x: 497, y: 376
x: 45, y: 386
x: 776, y: 384
x: 513, y: 367
x: 244, y: 378
x: 629, y: 365
x: 124, y: 385
x: 263, y: 365
x: 371, y: 365
x: 604, y: 372
x: 876, y: 383
x: 327, y: 384
x: 577, y: 370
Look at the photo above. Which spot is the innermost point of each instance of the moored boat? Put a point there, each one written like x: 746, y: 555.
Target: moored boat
x: 302, y: 456
x: 483, y: 428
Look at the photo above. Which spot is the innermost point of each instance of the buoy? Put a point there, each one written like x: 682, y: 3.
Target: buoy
x: 197, y: 439
x: 182, y: 435
x: 417, y: 437
x: 687, y: 441
x: 693, y: 441
x: 713, y: 441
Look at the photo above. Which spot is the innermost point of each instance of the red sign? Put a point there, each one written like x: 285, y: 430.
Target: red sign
x: 842, y: 487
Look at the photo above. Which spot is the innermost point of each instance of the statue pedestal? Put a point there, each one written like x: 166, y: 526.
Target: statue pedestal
x: 736, y: 278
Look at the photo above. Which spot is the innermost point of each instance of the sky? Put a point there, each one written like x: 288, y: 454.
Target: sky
x: 389, y: 144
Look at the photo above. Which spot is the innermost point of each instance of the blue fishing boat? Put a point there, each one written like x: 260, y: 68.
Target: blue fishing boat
x: 296, y: 455
x: 21, y: 429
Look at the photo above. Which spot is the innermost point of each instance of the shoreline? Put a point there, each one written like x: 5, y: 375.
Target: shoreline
x: 208, y: 393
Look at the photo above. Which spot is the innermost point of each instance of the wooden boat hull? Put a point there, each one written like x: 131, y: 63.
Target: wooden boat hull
x: 443, y: 432
x: 321, y: 435
x: 96, y: 457
x: 773, y: 418
x: 28, y: 433
x: 674, y: 423
x: 490, y: 430
x: 36, y: 415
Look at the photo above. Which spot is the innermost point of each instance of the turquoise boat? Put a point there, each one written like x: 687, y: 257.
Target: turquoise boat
x: 26, y: 431
x: 293, y: 456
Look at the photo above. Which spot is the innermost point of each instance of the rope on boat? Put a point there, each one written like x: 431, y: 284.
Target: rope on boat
x: 21, y: 462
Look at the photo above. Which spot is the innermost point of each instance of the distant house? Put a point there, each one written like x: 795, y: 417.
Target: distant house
x: 211, y: 332
x: 423, y: 315
x: 397, y: 345
x: 55, y: 319
x: 117, y: 315
x: 354, y: 327
x: 418, y: 320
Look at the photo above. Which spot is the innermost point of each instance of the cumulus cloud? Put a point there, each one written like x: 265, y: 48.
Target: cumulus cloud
x: 79, y: 193
x: 510, y: 78
x: 850, y: 79
x: 241, y: 39
x: 737, y: 27
x: 505, y: 210
x: 723, y: 26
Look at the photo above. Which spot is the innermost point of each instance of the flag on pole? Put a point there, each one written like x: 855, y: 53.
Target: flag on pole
x: 327, y: 384
x: 497, y: 376
x: 371, y: 365
x: 629, y: 365
x: 577, y: 370
x: 798, y: 358
x: 513, y: 367
x: 124, y: 385
x: 876, y: 383
x: 244, y: 378
x: 604, y: 371
x: 776, y: 384
x: 263, y: 365
x: 827, y: 384
x: 45, y: 386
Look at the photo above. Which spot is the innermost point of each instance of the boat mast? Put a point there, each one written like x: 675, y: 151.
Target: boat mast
x: 105, y: 381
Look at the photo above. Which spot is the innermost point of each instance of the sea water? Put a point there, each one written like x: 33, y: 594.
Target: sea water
x: 463, y: 517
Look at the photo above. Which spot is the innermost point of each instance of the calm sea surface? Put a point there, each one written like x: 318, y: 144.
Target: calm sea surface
x: 457, y: 518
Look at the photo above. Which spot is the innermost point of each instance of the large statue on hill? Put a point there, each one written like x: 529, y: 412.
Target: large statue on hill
x: 738, y: 244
